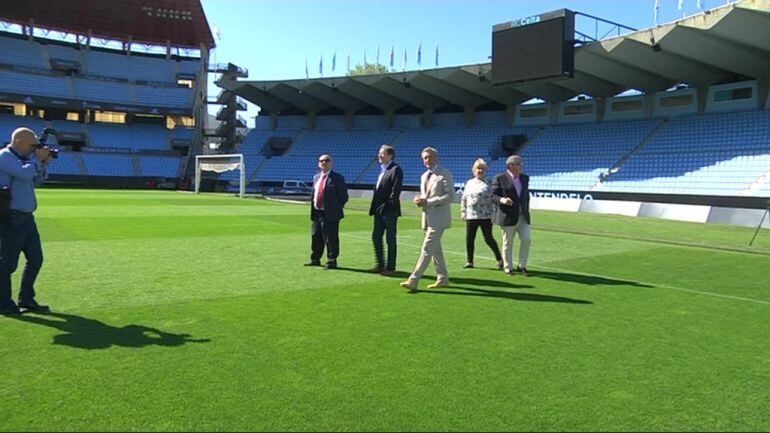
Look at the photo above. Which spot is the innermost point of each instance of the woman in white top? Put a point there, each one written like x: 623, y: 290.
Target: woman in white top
x: 476, y: 208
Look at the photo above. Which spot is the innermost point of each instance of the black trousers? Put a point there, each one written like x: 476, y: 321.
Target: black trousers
x: 324, y: 234
x: 385, y: 224
x: 471, y: 227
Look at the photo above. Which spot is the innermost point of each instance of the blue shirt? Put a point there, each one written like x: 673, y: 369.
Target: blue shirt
x: 21, y: 175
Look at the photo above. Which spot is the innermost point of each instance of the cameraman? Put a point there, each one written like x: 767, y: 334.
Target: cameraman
x: 22, y: 167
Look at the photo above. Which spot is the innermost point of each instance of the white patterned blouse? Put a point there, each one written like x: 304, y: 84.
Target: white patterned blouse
x: 476, y: 203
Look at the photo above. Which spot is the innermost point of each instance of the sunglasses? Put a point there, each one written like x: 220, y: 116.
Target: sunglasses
x: 324, y: 160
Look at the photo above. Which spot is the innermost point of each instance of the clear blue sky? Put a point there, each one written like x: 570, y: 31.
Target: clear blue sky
x: 272, y: 38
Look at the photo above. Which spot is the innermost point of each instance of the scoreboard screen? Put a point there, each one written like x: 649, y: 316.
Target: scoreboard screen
x: 534, y: 48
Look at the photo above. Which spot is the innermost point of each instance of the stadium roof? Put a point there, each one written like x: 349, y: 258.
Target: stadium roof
x: 730, y: 43
x: 180, y: 23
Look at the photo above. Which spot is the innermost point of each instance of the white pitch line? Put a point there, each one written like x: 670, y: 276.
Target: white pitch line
x: 662, y: 286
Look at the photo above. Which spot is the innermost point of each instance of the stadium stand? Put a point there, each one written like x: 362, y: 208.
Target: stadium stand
x: 135, y: 138
x: 108, y: 165
x: 637, y: 147
x: 353, y: 151
x: 8, y: 123
x: 65, y: 164
x: 572, y: 157
x: 17, y: 52
x: 34, y: 84
x: 712, y: 154
x: 159, y: 166
x: 94, y: 90
x: 163, y: 96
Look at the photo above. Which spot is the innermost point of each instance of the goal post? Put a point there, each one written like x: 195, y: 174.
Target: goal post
x: 221, y: 164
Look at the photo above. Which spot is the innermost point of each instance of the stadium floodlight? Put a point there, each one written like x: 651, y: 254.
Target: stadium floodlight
x: 221, y: 164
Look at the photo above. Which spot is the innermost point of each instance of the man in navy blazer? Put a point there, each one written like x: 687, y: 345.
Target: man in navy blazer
x: 328, y: 198
x: 386, y: 208
x: 510, y: 190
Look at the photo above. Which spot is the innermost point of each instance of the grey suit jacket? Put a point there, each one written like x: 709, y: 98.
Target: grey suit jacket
x: 437, y: 212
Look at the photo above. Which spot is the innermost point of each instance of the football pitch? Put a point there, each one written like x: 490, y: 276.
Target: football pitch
x: 172, y: 311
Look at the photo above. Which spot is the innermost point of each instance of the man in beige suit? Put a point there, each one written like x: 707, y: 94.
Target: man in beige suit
x: 435, y: 200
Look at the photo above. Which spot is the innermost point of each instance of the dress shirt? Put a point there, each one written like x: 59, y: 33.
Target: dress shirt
x: 21, y: 175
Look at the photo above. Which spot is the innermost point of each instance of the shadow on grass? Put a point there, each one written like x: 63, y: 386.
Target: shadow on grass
x: 459, y: 280
x: 591, y: 280
x: 514, y: 296
x: 84, y: 333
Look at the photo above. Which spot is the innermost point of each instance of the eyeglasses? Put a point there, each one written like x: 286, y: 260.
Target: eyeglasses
x: 324, y: 160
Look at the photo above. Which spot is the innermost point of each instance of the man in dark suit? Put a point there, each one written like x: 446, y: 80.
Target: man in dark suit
x: 328, y: 198
x: 510, y: 190
x: 386, y: 208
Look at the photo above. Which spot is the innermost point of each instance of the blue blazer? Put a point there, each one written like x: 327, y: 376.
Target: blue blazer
x: 334, y: 199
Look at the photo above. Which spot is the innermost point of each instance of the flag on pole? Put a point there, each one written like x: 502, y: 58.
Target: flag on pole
x: 655, y: 11
x: 403, y: 61
x: 391, y: 56
x: 680, y: 5
x: 334, y: 60
x: 419, y: 54
x: 377, y: 57
x: 699, y: 4
x: 217, y: 33
x: 321, y: 66
x: 307, y: 74
x: 347, y: 60
x: 364, y: 58
x: 437, y: 54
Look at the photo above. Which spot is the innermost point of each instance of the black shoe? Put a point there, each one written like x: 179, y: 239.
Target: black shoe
x: 468, y: 265
x: 33, y: 306
x: 10, y: 310
x: 312, y: 263
x: 522, y: 271
x: 331, y: 265
x: 499, y: 265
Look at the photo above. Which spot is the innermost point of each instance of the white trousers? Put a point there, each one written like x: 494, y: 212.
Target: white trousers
x: 525, y: 240
x: 431, y: 250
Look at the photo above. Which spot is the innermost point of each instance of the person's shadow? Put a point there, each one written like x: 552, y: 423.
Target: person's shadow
x: 591, y: 280
x: 513, y: 296
x: 84, y: 333
x: 461, y: 285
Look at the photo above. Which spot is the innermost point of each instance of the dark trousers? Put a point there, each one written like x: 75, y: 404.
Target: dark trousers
x: 325, y: 234
x: 19, y: 234
x: 385, y: 224
x: 471, y: 228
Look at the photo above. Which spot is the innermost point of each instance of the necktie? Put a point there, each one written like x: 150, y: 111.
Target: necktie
x: 320, y: 194
x: 427, y: 181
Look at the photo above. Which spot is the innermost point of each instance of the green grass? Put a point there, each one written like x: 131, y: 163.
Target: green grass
x: 182, y: 312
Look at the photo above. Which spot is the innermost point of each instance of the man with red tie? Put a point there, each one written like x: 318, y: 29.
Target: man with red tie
x: 328, y: 198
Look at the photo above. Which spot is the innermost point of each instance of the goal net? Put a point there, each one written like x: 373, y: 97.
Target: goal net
x: 231, y: 165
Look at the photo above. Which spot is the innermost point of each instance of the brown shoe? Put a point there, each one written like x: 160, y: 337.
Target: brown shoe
x: 387, y: 272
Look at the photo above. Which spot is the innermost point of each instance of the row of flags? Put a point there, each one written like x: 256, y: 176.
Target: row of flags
x: 699, y: 4
x: 390, y: 61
